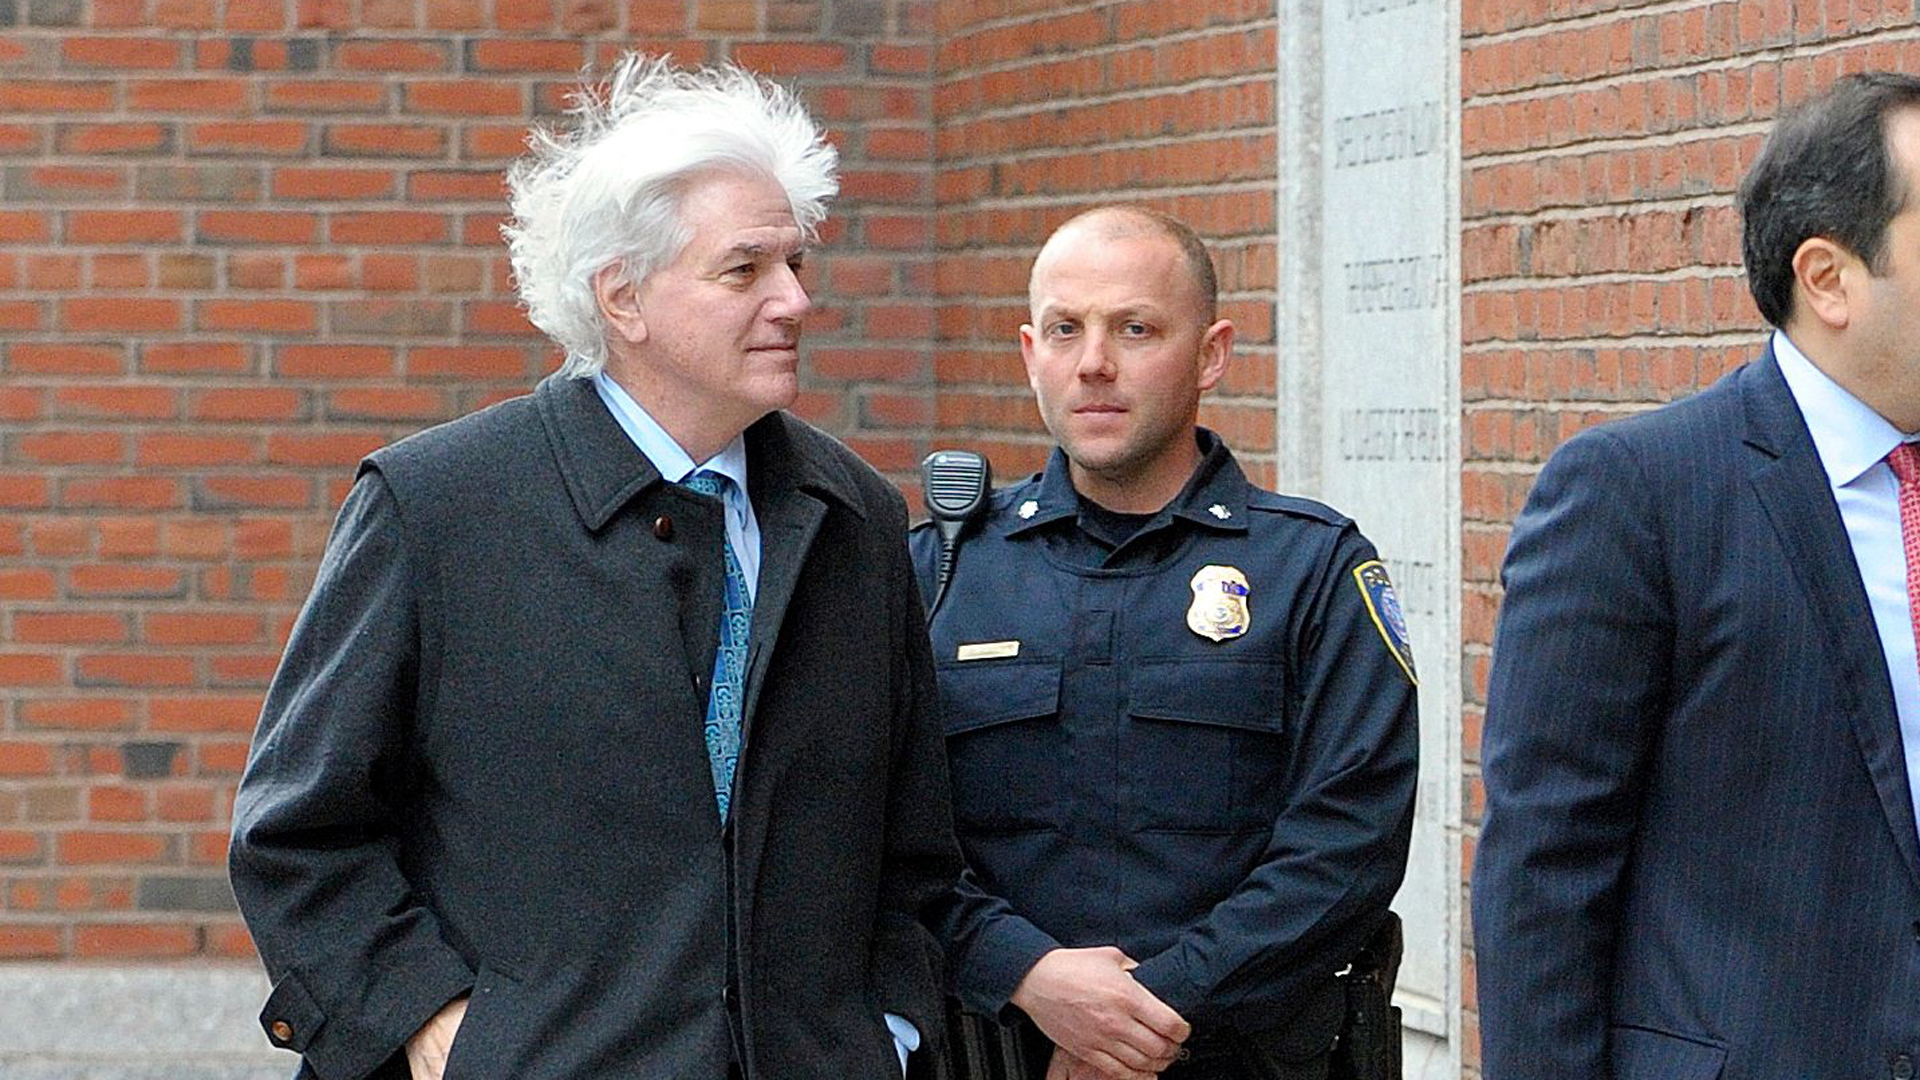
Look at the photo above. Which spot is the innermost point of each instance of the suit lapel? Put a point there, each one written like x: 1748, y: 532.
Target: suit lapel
x: 1792, y: 488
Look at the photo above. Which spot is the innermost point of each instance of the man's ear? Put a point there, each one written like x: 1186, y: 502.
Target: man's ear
x: 1216, y: 348
x: 1026, y: 355
x: 1823, y: 271
x: 619, y: 303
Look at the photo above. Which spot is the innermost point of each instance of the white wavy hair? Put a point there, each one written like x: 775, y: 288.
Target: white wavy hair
x: 609, y: 190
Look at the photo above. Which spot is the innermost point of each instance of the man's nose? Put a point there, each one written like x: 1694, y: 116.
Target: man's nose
x: 790, y: 301
x: 1096, y: 356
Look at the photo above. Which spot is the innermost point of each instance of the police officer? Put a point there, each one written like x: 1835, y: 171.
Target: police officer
x: 1179, y: 709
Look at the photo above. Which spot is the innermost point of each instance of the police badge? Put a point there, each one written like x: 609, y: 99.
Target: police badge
x: 1219, y: 608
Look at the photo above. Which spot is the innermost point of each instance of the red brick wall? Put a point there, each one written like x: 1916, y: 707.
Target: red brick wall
x: 243, y: 243
x: 1047, y: 107
x: 1600, y: 249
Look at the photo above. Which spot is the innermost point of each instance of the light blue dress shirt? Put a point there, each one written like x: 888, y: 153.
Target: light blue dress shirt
x: 743, y: 532
x: 673, y: 464
x: 1853, y: 442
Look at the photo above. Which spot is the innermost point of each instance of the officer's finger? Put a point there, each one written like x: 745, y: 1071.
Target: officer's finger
x: 1137, y: 1048
x: 1081, y: 1069
x: 1144, y: 1048
x: 1117, y: 1069
x: 1156, y: 1014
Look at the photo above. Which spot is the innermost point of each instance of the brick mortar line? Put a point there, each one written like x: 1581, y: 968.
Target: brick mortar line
x: 1794, y: 51
x: 1101, y: 50
x: 1554, y: 408
x: 1692, y: 272
x: 1004, y: 21
x: 1016, y: 202
x: 1631, y: 341
x: 1614, y: 144
x: 1599, y: 211
x: 1059, y: 153
x: 589, y: 42
x: 1592, y: 19
x: 1021, y: 112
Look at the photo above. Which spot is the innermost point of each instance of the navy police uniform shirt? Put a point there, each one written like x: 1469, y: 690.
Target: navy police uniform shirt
x: 1196, y: 742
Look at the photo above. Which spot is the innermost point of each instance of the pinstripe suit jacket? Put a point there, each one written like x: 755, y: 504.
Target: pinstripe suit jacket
x: 1699, y: 855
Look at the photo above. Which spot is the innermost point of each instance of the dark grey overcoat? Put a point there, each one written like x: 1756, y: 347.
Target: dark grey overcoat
x: 481, y: 767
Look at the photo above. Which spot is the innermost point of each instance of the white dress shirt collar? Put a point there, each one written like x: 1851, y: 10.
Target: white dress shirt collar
x: 1848, y: 435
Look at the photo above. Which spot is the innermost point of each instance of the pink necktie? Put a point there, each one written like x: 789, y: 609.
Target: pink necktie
x: 1905, y: 462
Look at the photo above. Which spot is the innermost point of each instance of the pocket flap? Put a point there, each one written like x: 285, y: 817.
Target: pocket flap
x: 1639, y: 1053
x: 1249, y: 694
x: 980, y: 693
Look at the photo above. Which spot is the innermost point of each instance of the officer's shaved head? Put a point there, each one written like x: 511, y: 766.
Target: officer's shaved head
x: 1127, y: 222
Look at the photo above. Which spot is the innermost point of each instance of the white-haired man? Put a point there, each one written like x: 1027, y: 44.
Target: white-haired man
x: 604, y: 746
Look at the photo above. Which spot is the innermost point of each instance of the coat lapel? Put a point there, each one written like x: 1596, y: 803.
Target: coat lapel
x: 789, y: 521
x: 792, y: 484
x: 1792, y: 487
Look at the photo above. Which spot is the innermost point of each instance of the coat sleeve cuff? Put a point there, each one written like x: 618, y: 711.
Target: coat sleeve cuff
x: 994, y: 967
x: 338, y: 1046
x: 1165, y: 976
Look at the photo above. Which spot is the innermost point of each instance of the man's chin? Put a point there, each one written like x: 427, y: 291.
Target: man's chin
x: 1096, y: 442
x: 780, y: 392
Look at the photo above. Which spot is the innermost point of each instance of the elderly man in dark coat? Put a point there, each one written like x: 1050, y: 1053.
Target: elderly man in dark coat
x: 605, y: 744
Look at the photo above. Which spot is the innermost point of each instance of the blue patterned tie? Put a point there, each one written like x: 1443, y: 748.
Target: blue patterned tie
x: 729, y: 663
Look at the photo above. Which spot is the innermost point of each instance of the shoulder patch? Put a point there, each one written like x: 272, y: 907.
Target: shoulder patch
x: 1376, y: 591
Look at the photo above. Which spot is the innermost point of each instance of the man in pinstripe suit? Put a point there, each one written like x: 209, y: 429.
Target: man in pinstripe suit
x: 1702, y: 747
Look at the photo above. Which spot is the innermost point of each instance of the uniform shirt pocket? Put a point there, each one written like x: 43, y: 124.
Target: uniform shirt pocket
x: 1204, y: 744
x: 1003, y: 742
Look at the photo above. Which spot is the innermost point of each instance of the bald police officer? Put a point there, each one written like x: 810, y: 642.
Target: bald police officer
x: 1179, y: 708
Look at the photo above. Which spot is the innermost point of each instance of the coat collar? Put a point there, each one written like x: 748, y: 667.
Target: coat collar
x: 1215, y: 496
x: 603, y: 469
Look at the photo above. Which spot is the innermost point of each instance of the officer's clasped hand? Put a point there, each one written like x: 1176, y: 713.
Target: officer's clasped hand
x: 1093, y: 1010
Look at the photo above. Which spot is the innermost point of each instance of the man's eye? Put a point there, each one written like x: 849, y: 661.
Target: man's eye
x: 1136, y: 329
x: 1061, y: 329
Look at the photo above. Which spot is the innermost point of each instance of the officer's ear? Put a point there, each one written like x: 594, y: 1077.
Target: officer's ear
x: 619, y: 302
x: 1026, y: 354
x: 1216, y: 348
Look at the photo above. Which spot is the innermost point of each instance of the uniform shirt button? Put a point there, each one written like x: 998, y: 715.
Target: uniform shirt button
x: 281, y: 1031
x: 663, y: 527
x: 1902, y: 1067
